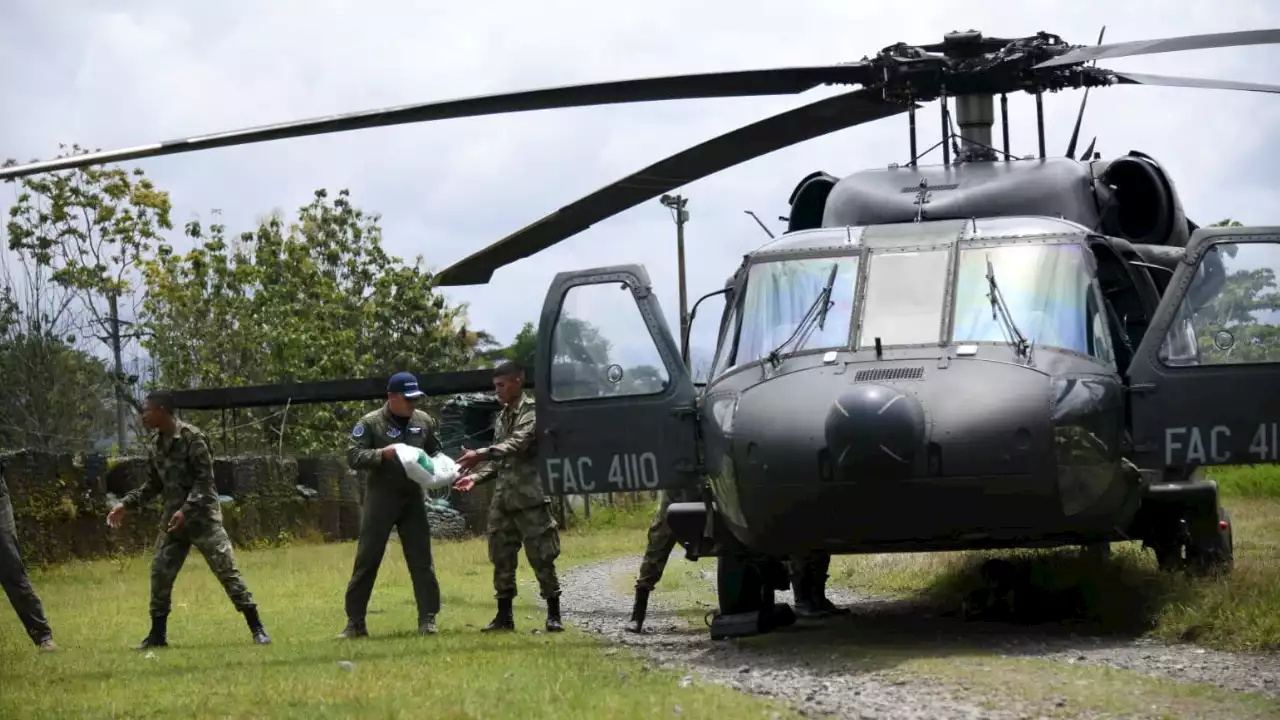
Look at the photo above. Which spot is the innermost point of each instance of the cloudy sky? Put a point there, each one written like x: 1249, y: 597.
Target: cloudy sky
x: 124, y: 73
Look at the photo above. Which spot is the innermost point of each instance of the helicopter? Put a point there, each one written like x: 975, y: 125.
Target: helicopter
x: 995, y: 352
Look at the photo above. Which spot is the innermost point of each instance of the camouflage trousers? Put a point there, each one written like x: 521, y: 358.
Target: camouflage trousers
x: 812, y: 566
x: 661, y: 542
x: 534, y: 528
x: 211, y: 539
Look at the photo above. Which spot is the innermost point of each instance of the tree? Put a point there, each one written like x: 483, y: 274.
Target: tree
x: 317, y: 299
x: 92, y: 227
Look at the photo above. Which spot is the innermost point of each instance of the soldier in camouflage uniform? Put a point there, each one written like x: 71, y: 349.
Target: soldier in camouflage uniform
x: 391, y: 499
x: 656, y: 554
x: 520, y: 512
x: 13, y: 576
x: 180, y: 469
x: 808, y: 573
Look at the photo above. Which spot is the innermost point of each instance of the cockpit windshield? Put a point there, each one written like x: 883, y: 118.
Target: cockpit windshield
x: 778, y: 296
x: 1045, y: 287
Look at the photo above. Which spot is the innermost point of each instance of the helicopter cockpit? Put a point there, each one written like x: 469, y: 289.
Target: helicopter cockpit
x: 902, y: 287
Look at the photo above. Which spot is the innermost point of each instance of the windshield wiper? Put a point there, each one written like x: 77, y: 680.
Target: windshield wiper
x: 821, y: 305
x: 1015, y: 338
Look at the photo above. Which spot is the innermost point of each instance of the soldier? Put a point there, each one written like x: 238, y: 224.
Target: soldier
x: 391, y: 499
x: 809, y: 585
x: 180, y: 469
x: 13, y: 575
x: 656, y: 554
x: 520, y: 512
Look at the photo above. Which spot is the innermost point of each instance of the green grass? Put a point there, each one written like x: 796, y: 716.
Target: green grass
x: 211, y: 669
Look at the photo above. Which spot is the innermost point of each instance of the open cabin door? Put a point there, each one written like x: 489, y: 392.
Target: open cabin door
x: 615, y: 404
x: 1206, y: 376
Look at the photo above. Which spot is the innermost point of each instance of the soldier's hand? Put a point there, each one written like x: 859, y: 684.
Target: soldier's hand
x: 468, y: 459
x: 388, y: 453
x: 115, y: 518
x: 464, y: 484
x: 176, y: 522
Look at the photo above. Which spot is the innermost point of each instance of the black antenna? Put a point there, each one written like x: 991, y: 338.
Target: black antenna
x: 1075, y: 132
x: 761, y: 224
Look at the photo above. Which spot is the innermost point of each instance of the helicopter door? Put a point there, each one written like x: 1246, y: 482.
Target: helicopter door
x: 614, y: 401
x: 1205, y: 380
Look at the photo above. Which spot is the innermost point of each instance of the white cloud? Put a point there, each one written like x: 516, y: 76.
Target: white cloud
x: 144, y: 71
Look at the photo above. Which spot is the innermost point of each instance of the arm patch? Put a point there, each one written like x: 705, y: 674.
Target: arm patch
x: 358, y: 430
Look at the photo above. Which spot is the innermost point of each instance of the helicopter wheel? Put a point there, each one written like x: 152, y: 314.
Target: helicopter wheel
x: 1213, y: 553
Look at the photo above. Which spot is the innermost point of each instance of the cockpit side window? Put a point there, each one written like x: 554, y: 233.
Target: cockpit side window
x: 778, y: 296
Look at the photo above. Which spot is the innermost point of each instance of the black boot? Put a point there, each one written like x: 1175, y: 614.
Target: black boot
x: 553, y: 615
x: 504, y: 620
x: 427, y: 626
x: 354, y: 629
x: 819, y: 598
x: 805, y: 605
x: 158, y: 635
x: 637, y: 611
x: 255, y: 626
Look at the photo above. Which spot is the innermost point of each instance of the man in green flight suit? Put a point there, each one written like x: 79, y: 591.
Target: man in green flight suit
x: 180, y: 469
x: 520, y: 512
x: 392, y: 499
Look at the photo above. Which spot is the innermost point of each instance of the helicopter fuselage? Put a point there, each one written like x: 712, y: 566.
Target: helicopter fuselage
x: 928, y: 428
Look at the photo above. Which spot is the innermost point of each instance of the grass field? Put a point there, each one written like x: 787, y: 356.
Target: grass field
x: 212, y: 669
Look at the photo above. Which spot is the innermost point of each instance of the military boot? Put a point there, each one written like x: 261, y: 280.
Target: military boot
x: 255, y: 626
x: 158, y: 635
x: 47, y: 645
x: 819, y: 598
x: 553, y: 615
x: 427, y: 626
x: 636, y: 624
x: 354, y: 629
x: 504, y: 620
x: 806, y: 606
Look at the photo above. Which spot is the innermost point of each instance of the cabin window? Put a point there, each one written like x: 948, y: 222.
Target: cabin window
x: 1231, y: 312
x: 1045, y: 288
x: 781, y: 293
x: 602, y: 347
x: 724, y: 348
x: 905, y: 296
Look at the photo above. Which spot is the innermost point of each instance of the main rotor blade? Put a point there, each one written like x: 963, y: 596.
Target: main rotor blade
x: 1150, y: 47
x: 760, y: 138
x: 740, y: 83
x: 1129, y: 78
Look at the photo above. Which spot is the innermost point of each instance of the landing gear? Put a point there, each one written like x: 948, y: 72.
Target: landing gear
x: 1201, y: 548
x: 745, y: 587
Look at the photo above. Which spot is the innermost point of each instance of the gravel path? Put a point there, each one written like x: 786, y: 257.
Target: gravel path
x: 797, y: 668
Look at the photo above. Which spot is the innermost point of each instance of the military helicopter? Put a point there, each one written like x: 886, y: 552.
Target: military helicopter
x: 994, y: 352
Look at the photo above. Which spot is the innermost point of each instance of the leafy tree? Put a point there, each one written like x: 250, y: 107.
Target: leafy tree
x: 92, y: 227
x: 316, y: 299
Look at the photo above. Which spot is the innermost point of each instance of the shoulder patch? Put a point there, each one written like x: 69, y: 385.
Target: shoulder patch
x: 358, y: 430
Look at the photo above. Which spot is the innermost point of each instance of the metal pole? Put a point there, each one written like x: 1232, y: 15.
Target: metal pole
x: 1004, y: 122
x: 118, y: 365
x: 911, y: 115
x: 946, y: 133
x: 1040, y: 120
x: 681, y: 216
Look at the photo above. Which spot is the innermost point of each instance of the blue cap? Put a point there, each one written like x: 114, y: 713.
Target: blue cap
x: 405, y: 384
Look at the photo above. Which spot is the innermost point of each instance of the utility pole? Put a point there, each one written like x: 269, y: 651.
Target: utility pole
x: 678, y: 203
x: 114, y: 307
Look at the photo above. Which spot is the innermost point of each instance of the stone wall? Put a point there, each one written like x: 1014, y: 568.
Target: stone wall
x: 60, y: 503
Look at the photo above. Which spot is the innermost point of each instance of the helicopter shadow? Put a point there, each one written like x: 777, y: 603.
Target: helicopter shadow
x: 1030, y: 604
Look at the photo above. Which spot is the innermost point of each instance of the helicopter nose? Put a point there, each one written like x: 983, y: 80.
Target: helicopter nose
x: 873, y: 429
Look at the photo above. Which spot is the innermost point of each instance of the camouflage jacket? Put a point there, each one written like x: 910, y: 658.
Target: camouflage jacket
x: 512, y: 459
x: 180, y: 470
x: 379, y: 429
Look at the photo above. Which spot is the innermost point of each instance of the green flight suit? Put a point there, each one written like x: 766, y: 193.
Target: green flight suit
x: 180, y: 470
x: 392, y: 499
x: 13, y: 574
x: 520, y: 512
